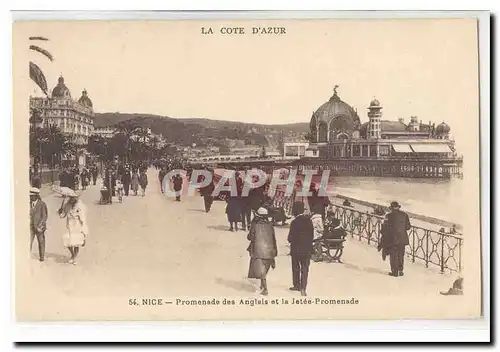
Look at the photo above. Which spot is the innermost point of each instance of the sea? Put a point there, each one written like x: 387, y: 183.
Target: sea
x: 436, y: 198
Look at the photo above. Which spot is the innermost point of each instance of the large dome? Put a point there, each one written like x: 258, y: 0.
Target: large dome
x: 333, y: 118
x: 61, y: 91
x: 333, y: 109
x: 85, y: 100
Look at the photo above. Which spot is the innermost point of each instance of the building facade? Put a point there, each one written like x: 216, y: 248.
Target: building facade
x: 74, y: 118
x: 337, y: 132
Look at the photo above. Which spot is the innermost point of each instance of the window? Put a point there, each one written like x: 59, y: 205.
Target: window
x: 384, y: 150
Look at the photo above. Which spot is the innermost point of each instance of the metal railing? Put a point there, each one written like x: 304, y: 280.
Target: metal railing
x: 432, y: 248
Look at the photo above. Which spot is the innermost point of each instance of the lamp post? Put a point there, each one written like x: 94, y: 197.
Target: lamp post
x: 106, y: 150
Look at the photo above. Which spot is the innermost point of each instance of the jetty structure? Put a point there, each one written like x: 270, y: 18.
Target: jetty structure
x: 339, y: 142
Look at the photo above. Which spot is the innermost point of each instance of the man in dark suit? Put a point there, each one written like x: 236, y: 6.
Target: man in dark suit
x: 177, y: 180
x: 398, y: 223
x: 126, y: 180
x: 317, y: 203
x: 301, y: 247
x: 38, y: 221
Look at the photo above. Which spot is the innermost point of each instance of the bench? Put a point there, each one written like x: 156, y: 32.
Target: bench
x: 329, y: 249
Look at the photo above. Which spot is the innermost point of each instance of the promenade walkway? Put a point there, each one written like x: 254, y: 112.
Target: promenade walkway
x: 156, y: 246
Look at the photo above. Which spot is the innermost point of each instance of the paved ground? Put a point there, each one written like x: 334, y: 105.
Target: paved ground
x: 156, y: 246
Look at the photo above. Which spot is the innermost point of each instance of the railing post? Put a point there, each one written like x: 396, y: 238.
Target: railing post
x: 426, y: 254
x: 460, y: 255
x: 369, y: 229
x: 413, y: 249
x: 442, y: 253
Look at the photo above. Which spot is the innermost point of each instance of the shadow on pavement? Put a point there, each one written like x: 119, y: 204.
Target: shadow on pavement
x: 365, y: 269
x: 220, y: 227
x: 236, y: 285
x: 375, y: 271
x: 58, y: 258
x: 197, y: 210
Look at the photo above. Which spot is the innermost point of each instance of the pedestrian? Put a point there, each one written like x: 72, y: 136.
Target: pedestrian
x: 233, y: 211
x: 94, y: 173
x: 36, y: 179
x: 63, y: 178
x: 143, y: 182
x: 398, y: 223
x: 256, y: 196
x: 262, y: 248
x: 177, y: 180
x: 112, y: 182
x: 246, y: 210
x: 126, y: 180
x: 76, y: 224
x: 317, y: 203
x: 76, y: 178
x: 318, y: 227
x: 38, y: 221
x: 206, y: 193
x: 134, y: 183
x: 161, y: 176
x: 84, y: 177
x: 300, y: 237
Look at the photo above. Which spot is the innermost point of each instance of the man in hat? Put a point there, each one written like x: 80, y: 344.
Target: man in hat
x: 301, y: 237
x: 398, y: 223
x: 38, y: 221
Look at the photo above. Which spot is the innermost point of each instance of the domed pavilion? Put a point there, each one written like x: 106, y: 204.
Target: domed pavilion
x: 336, y: 131
x: 333, y: 120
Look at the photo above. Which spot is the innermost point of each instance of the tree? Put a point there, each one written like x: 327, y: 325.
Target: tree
x: 143, y: 134
x: 36, y: 73
x: 48, y: 143
x: 309, y: 137
x: 123, y: 133
x: 97, y: 146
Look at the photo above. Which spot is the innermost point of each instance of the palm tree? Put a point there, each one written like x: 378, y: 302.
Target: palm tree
x: 154, y: 143
x: 36, y: 73
x: 126, y: 131
x: 143, y: 134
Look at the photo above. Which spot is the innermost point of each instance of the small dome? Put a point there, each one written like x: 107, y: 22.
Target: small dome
x: 443, y: 128
x: 85, y: 100
x: 375, y: 103
x: 61, y: 91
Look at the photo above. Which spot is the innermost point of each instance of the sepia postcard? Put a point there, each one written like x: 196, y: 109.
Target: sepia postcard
x: 247, y: 169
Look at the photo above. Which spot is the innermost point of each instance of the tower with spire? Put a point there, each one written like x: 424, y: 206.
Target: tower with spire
x: 374, y: 114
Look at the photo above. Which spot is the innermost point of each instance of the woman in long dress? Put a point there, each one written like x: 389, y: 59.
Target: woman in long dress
x: 143, y: 181
x: 134, y: 183
x: 76, y: 224
x: 233, y: 212
x: 262, y: 248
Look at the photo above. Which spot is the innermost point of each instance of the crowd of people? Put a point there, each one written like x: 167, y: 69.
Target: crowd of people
x: 311, y: 222
x: 123, y: 179
x: 76, y: 179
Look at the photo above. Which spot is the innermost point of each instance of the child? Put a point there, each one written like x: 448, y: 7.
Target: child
x: 119, y: 190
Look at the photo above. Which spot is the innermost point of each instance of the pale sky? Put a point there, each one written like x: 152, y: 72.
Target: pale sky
x: 426, y: 68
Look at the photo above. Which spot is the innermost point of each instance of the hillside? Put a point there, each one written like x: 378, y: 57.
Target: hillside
x: 206, y: 132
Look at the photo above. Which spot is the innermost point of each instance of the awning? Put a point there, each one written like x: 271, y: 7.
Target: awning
x: 402, y: 148
x: 431, y: 148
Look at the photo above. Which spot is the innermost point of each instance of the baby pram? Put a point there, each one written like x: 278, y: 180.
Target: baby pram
x: 105, y: 196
